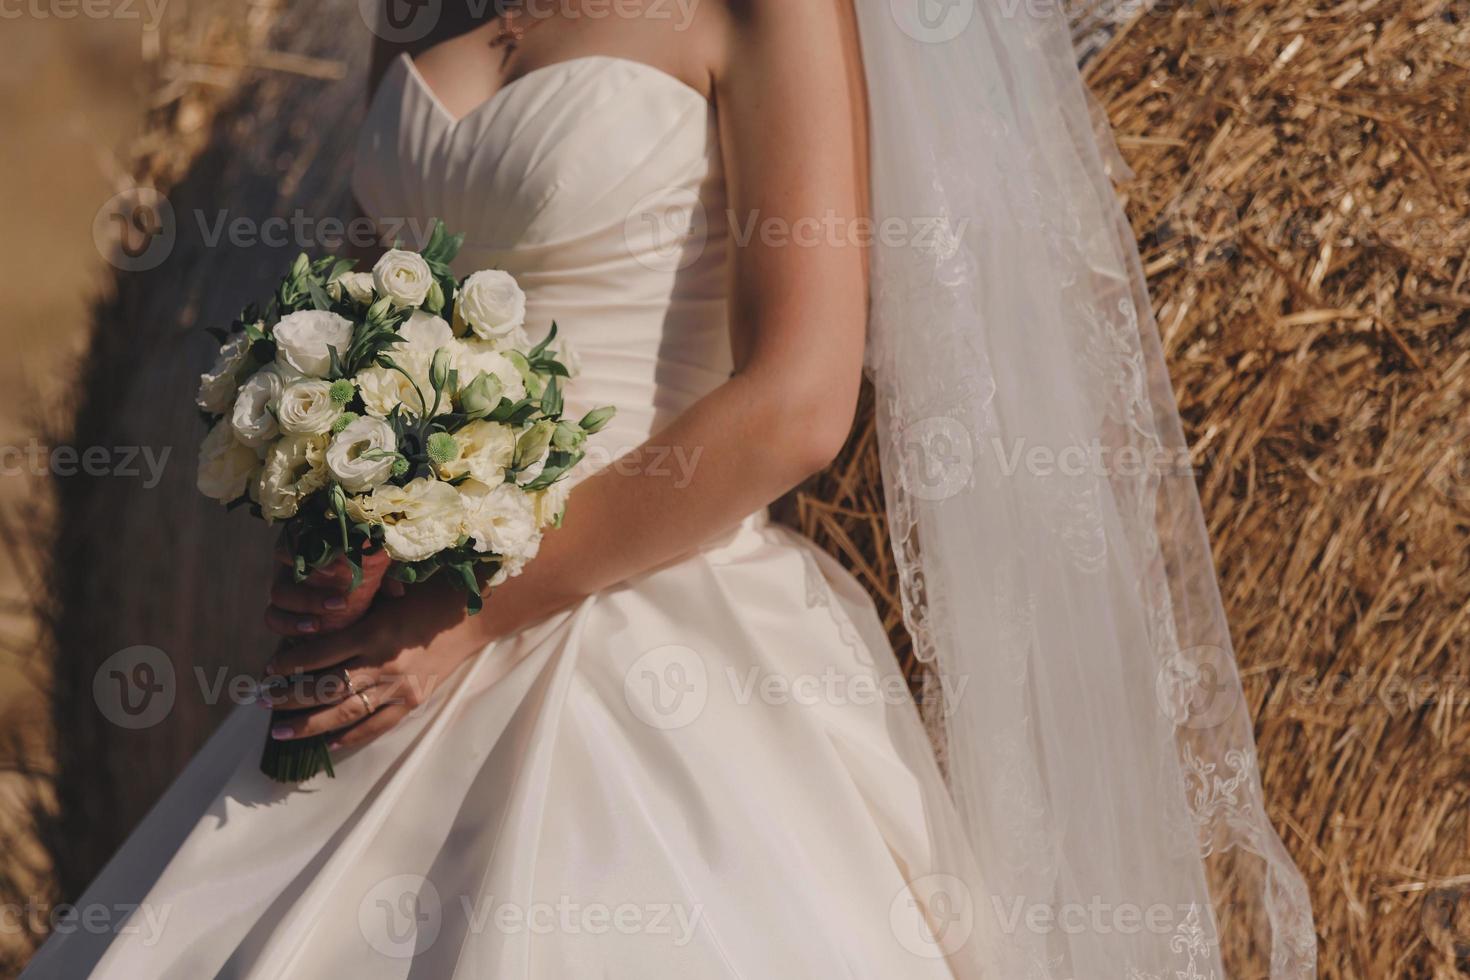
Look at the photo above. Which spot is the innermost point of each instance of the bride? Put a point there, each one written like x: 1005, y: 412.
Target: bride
x: 676, y: 746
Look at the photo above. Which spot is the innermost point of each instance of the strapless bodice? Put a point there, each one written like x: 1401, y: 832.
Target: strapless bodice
x: 591, y: 181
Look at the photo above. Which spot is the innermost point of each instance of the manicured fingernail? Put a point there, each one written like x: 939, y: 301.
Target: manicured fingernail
x: 307, y: 625
x: 281, y: 732
x: 334, y: 603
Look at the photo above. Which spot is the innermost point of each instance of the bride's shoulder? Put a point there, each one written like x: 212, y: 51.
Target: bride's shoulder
x: 755, y: 34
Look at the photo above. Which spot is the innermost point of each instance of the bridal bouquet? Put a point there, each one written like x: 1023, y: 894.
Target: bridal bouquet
x: 352, y: 411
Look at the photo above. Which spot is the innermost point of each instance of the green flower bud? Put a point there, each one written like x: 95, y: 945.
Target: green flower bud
x: 481, y: 396
x: 434, y: 302
x: 442, y: 448
x: 380, y: 310
x: 594, y: 420
x: 400, y: 466
x: 343, y: 421
x: 567, y: 436
x: 301, y: 266
x: 439, y: 369
x: 342, y: 391
x: 533, y: 443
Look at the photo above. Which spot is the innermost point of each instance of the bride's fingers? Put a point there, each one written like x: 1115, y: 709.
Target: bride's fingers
x: 331, y: 718
x: 316, y: 653
x: 320, y: 689
x: 378, y: 723
x: 304, y: 597
x: 287, y: 622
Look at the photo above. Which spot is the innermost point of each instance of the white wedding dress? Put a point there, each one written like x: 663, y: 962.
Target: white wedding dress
x: 702, y: 773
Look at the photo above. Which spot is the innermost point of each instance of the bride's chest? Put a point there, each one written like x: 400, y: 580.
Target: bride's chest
x: 593, y: 143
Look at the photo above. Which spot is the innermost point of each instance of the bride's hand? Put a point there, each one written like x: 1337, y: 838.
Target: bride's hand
x: 356, y: 684
x: 326, y: 601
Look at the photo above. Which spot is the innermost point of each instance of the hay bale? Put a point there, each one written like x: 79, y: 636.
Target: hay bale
x: 240, y: 126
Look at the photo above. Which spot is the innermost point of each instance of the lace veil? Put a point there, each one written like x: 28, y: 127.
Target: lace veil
x: 1054, y: 560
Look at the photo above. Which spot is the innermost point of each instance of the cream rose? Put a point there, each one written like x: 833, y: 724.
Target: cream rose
x: 217, y: 385
x: 551, y: 502
x: 500, y: 519
x: 225, y: 464
x: 419, y: 520
x: 294, y: 469
x: 472, y: 357
x: 492, y: 304
x: 424, y: 332
x: 307, y: 407
x: 403, y: 277
x: 254, y: 414
x: 345, y: 459
x: 485, y: 450
x: 383, y: 388
x: 303, y: 338
x: 359, y: 287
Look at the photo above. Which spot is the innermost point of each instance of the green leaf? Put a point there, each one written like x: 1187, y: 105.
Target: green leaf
x: 540, y: 348
x: 551, y: 401
x: 319, y: 297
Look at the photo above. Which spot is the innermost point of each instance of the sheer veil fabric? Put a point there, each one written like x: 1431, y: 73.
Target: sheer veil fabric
x: 1053, y: 554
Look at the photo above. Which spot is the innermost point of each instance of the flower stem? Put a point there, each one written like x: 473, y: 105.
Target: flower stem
x: 296, y: 760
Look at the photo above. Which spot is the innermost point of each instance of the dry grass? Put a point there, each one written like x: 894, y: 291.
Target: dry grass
x: 1301, y: 195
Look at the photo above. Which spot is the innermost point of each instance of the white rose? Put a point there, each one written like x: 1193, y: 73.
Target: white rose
x: 345, y: 454
x: 383, y: 388
x: 485, y: 450
x: 510, y: 568
x: 492, y: 304
x: 225, y: 464
x: 403, y: 277
x: 424, y: 332
x: 254, y: 414
x: 217, y: 385
x: 295, y: 468
x: 501, y: 519
x: 419, y: 520
x: 359, y: 287
x: 307, y: 406
x: 551, y: 502
x: 472, y: 357
x: 302, y: 339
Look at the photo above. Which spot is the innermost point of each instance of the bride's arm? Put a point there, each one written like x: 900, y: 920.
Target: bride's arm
x: 788, y: 111
x: 797, y: 318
